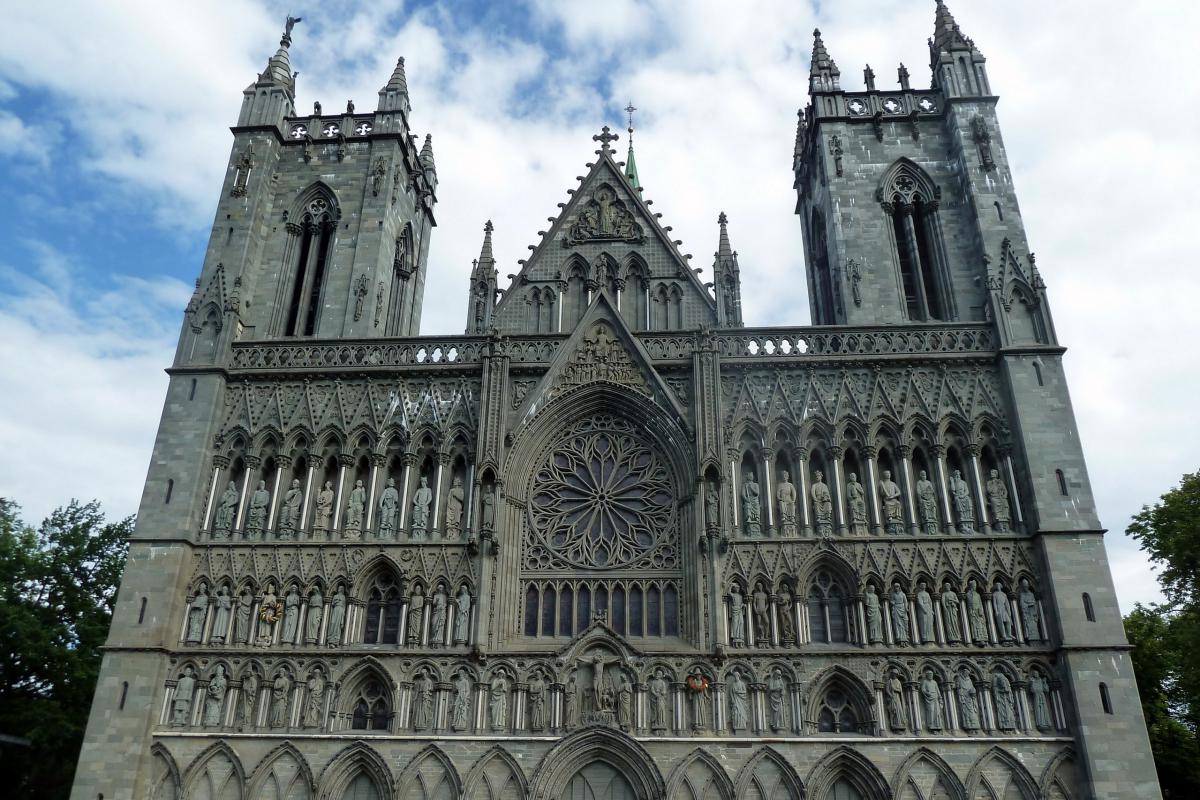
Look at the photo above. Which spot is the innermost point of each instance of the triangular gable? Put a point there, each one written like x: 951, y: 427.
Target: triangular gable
x: 601, y: 350
x: 606, y: 216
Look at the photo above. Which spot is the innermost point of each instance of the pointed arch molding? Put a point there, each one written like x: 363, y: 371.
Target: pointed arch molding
x: 856, y: 769
x: 346, y: 766
x: 907, y: 179
x: 267, y: 766
x: 1019, y: 775
x: 411, y: 776
x: 679, y: 776
x: 949, y: 780
x: 199, y: 766
x: 316, y: 189
x: 579, y: 749
x: 477, y: 777
x: 788, y: 777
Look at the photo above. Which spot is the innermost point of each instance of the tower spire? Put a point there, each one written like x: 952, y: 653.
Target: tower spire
x: 483, y: 286
x: 394, y: 96
x: 727, y: 278
x: 630, y: 162
x: 823, y: 74
x: 271, y: 97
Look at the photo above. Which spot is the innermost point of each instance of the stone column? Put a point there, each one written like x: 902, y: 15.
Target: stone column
x: 219, y: 463
x: 409, y: 460
x: 910, y: 238
x: 767, y: 457
x: 860, y: 617
x: 805, y: 517
x: 313, y: 460
x: 435, y: 521
x: 909, y: 485
x: 344, y: 461
x: 839, y: 491
x: 378, y: 460
x: 1012, y: 489
x: 939, y: 452
x: 282, y: 463
x: 733, y: 491
x: 985, y: 524
x: 913, y: 699
x: 252, y: 464
x: 874, y: 516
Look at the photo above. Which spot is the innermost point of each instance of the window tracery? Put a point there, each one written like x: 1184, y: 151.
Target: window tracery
x: 370, y: 710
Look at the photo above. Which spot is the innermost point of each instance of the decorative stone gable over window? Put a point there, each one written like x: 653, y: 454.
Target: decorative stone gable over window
x: 600, y: 357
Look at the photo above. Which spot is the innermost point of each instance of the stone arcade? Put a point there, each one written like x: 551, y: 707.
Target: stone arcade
x: 610, y: 543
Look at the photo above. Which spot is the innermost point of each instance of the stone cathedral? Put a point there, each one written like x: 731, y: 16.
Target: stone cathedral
x: 611, y: 542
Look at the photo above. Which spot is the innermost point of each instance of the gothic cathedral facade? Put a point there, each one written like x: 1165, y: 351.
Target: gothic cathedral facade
x: 611, y: 542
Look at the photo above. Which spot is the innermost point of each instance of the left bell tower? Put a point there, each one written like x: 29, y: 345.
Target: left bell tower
x: 321, y: 232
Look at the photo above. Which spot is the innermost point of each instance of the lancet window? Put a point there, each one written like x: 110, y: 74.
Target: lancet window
x: 910, y: 202
x: 315, y: 231
x: 383, y: 612
x: 827, y: 601
x: 403, y: 265
x: 370, y: 711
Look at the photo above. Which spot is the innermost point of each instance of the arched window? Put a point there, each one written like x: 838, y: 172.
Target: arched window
x: 531, y: 611
x: 370, y: 711
x: 383, y: 612
x: 1088, y: 610
x: 836, y: 714
x: 910, y: 202
x: 403, y: 261
x: 1105, y: 699
x: 316, y: 230
x: 826, y: 609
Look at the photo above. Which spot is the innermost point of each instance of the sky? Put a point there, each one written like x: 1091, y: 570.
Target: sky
x: 114, y: 138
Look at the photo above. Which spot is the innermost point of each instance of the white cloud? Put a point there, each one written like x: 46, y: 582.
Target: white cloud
x: 1101, y: 155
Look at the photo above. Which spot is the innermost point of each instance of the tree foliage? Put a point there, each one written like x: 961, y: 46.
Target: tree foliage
x: 58, y: 584
x: 1166, y: 638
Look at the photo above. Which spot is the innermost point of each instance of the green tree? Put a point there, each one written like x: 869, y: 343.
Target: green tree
x: 58, y: 584
x: 1166, y: 637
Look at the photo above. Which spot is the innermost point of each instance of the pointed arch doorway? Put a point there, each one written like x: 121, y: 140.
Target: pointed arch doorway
x: 598, y: 780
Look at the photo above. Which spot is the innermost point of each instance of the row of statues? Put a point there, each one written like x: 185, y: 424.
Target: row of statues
x: 975, y: 630
x: 890, y: 497
x: 931, y: 697
x: 290, y: 511
x: 278, y: 697
x: 234, y: 621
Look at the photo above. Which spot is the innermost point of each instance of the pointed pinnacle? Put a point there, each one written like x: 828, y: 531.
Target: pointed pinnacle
x: 724, y: 252
x: 946, y: 33
x: 485, y: 252
x: 399, y: 80
x: 820, y: 57
x: 427, y: 153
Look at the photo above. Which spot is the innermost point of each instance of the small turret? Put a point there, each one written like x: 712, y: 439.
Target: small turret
x: 727, y: 279
x: 427, y: 162
x: 482, y: 299
x: 823, y: 75
x: 394, y: 96
x: 957, y: 65
x: 272, y: 95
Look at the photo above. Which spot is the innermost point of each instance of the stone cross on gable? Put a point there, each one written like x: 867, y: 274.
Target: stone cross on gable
x: 604, y: 137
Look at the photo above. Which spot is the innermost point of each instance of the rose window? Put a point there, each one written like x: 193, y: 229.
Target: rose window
x: 602, y: 499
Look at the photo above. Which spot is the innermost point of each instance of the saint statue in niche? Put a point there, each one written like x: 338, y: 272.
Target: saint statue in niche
x: 856, y: 498
x: 786, y: 494
x: 927, y: 504
x: 751, y: 506
x: 822, y: 504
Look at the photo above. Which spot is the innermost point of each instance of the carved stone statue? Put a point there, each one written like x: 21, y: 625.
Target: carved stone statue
x: 751, y: 506
x: 420, y: 510
x: 241, y: 619
x: 1039, y: 688
x: 197, y: 613
x: 785, y: 492
x: 337, y: 618
x: 462, y: 702
x: 712, y: 507
x: 1002, y: 697
x: 893, y: 515
x: 281, y: 687
x: 899, y: 614
x: 856, y: 499
x: 269, y: 614
x: 354, y: 510
x: 537, y: 702
x: 997, y: 496
x: 737, y: 617
x: 422, y: 715
x: 658, y: 701
x: 455, y: 499
x: 498, y: 702
x: 893, y: 696
x: 226, y: 511
x: 925, y: 614
x: 1002, y: 611
x: 314, y: 704
x: 416, y: 618
x: 185, y: 690
x: 1031, y: 615
x: 976, y: 614
x: 224, y: 607
x: 931, y: 701
x: 927, y: 504
x: 822, y: 502
x: 697, y: 686
x: 776, y: 687
x: 787, y: 628
x: 324, y: 508
x: 624, y: 702
x: 488, y: 515
x: 289, y: 514
x: 250, y: 686
x: 462, y: 615
x: 968, y: 701
x: 964, y: 509
x: 437, y: 621
x: 291, y: 614
x: 874, y: 615
x: 761, y: 605
x: 739, y: 702
x: 312, y: 621
x: 260, y: 501
x: 950, y: 614
x: 389, y: 502
x: 571, y: 703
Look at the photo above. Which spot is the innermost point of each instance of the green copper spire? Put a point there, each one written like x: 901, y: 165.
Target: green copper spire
x: 631, y: 162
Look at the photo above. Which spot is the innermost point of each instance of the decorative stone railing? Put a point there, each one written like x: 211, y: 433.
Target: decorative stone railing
x: 753, y: 343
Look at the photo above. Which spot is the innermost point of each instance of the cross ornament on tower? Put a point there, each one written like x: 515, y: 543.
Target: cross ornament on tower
x: 604, y: 137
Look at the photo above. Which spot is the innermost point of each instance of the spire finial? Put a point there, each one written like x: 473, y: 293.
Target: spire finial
x: 823, y: 73
x: 629, y: 109
x: 604, y: 137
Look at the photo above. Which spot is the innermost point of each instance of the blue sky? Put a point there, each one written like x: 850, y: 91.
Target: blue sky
x: 114, y: 137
